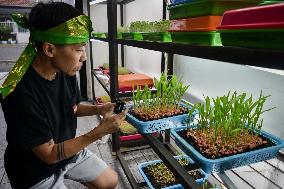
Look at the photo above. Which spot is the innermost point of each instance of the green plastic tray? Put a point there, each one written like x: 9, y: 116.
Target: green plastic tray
x: 254, y: 38
x: 157, y: 36
x: 119, y: 35
x: 100, y: 35
x: 207, y: 7
x: 133, y: 35
x: 197, y: 38
x: 271, y: 2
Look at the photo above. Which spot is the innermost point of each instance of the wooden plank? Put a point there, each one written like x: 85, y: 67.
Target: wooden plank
x: 137, y: 159
x: 270, y: 172
x: 279, y: 164
x: 237, y: 181
x: 254, y: 178
x: 215, y: 182
x: 132, y: 165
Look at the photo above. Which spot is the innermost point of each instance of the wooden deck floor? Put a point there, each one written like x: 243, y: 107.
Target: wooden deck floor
x: 264, y: 175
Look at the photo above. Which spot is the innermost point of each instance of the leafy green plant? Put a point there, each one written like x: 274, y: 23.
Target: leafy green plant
x: 5, y: 29
x: 161, y: 176
x: 145, y: 26
x: 166, y: 100
x: 121, y: 70
x: 127, y: 128
x: 232, y: 123
x: 122, y: 29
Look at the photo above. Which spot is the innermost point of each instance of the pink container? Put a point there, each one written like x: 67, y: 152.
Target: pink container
x: 261, y: 17
x: 130, y: 137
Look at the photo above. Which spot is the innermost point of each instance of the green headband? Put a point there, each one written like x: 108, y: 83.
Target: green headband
x: 75, y: 30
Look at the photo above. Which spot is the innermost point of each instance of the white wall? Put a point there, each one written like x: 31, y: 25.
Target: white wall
x: 98, y: 14
x: 213, y: 78
x: 141, y: 60
x: 207, y: 77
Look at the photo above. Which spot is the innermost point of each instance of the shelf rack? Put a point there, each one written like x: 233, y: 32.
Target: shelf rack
x: 242, y: 56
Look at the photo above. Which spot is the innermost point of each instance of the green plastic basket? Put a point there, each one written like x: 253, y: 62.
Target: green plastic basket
x: 254, y: 38
x: 157, y: 36
x: 99, y: 35
x: 269, y: 2
x: 207, y: 7
x: 133, y: 35
x: 197, y: 38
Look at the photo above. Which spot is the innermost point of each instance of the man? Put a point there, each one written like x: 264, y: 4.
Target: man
x: 41, y: 103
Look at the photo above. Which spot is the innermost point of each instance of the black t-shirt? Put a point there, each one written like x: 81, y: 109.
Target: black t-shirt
x: 36, y: 112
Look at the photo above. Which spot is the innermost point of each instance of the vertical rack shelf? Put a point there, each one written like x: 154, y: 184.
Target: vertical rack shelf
x: 236, y: 55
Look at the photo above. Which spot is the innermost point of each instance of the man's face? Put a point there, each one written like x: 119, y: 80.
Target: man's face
x: 69, y: 58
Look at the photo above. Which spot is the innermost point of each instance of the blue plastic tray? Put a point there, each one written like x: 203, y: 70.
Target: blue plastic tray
x: 230, y: 162
x: 177, y: 2
x: 177, y: 186
x: 159, y: 124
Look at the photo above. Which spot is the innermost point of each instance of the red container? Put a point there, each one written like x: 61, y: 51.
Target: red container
x: 130, y: 137
x: 203, y: 23
x: 105, y: 71
x: 126, y: 82
x: 261, y: 17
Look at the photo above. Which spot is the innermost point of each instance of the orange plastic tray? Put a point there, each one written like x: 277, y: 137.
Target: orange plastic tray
x: 203, y: 23
x: 127, y: 81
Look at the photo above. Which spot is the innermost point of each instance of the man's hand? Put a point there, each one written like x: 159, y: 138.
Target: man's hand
x: 106, y: 109
x: 109, y: 124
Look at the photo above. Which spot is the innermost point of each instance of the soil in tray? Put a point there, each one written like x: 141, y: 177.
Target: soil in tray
x: 203, y: 144
x: 141, y: 116
x: 160, y: 176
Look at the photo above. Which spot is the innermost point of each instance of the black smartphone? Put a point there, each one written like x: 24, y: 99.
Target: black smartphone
x: 119, y: 106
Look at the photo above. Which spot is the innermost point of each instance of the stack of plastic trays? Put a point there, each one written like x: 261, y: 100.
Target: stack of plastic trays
x: 195, y: 21
x: 256, y: 27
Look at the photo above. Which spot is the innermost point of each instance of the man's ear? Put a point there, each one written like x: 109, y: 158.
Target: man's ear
x: 48, y: 49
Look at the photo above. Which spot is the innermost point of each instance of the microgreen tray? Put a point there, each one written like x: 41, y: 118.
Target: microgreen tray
x: 99, y: 35
x: 254, y: 38
x: 133, y: 35
x: 207, y: 7
x: 177, y: 186
x: 229, y: 162
x: 197, y: 38
x: 159, y: 124
x: 157, y: 36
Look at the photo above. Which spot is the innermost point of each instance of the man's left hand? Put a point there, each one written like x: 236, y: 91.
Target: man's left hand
x: 106, y: 109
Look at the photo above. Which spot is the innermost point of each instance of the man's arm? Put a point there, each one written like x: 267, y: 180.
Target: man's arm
x: 51, y: 153
x: 89, y: 110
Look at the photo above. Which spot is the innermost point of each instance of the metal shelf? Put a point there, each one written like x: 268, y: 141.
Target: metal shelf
x: 95, y: 39
x: 120, y: 2
x: 243, y: 56
x: 103, y: 84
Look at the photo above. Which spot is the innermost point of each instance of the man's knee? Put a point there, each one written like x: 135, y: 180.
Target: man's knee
x: 107, y: 180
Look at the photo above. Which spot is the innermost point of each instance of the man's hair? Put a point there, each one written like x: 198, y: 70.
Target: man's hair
x: 44, y: 16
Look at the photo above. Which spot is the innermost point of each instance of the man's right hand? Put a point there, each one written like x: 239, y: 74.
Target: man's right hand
x: 110, y: 123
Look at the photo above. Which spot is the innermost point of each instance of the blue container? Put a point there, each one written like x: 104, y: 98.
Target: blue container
x: 159, y: 124
x: 177, y: 186
x: 230, y: 162
x: 177, y: 2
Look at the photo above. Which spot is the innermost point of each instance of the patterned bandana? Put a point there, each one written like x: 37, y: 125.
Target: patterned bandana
x: 75, y: 30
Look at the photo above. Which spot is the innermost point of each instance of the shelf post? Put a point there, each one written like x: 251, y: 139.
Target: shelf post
x: 113, y: 60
